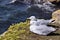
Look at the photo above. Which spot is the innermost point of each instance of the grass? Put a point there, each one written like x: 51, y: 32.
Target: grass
x: 20, y: 31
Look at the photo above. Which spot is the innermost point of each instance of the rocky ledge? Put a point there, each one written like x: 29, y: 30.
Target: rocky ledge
x: 56, y: 17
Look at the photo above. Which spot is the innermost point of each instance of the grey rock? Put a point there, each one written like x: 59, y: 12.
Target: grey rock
x: 41, y: 11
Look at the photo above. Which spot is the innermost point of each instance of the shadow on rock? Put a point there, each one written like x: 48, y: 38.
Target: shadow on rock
x: 53, y: 34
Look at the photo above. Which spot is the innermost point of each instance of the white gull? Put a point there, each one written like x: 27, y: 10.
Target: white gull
x: 40, y: 26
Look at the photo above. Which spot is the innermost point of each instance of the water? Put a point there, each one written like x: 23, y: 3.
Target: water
x: 15, y: 13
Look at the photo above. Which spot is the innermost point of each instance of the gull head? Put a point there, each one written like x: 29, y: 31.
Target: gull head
x: 32, y: 18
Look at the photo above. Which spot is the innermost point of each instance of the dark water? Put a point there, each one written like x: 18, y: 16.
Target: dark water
x: 17, y: 12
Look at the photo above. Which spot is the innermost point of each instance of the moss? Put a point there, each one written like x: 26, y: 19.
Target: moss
x: 20, y: 31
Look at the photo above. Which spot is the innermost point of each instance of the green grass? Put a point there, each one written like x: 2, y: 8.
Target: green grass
x: 20, y: 31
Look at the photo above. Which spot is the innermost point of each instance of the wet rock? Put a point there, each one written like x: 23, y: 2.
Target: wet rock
x: 41, y: 11
x: 29, y: 1
x: 34, y: 1
x: 21, y: 1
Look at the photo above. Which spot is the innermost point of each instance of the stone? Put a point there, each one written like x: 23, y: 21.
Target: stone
x: 41, y: 11
x: 33, y: 1
x: 54, y: 0
x: 56, y: 17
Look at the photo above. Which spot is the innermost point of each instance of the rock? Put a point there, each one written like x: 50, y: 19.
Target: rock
x: 56, y: 17
x: 26, y: 1
x: 33, y: 1
x: 41, y: 11
x: 54, y: 0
